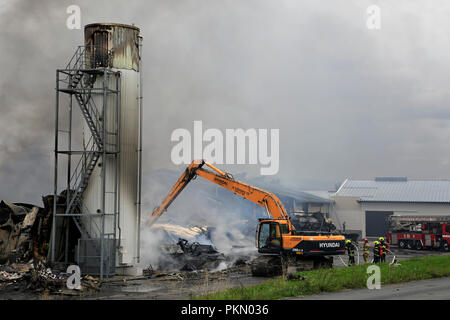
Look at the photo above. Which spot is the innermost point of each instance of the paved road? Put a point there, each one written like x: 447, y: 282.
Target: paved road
x: 433, y: 289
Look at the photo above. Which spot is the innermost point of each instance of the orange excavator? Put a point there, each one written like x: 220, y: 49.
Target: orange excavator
x: 282, y: 248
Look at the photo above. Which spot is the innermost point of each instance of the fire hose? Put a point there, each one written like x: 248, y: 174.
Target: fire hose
x: 394, y: 260
x: 357, y: 254
x: 343, y: 261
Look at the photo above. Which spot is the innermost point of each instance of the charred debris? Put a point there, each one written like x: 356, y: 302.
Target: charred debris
x: 192, y: 249
x: 25, y: 233
x: 25, y: 248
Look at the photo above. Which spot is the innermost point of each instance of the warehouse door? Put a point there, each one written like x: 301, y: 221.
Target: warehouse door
x: 376, y: 223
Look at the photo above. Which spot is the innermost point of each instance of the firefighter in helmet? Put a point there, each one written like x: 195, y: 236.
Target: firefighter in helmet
x: 366, y: 249
x: 376, y: 251
x: 384, y: 247
x: 350, y: 251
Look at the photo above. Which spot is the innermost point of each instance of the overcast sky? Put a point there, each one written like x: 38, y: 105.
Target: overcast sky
x: 349, y: 101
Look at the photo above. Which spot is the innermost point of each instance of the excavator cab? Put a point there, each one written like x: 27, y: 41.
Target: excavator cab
x: 269, y: 238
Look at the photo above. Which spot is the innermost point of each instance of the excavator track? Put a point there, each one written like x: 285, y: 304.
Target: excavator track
x: 276, y: 265
x: 267, y: 266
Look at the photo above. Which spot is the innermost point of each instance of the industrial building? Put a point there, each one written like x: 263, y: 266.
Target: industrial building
x: 364, y: 205
x: 306, y: 201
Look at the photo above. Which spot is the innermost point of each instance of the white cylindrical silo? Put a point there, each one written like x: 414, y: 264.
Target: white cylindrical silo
x: 117, y: 48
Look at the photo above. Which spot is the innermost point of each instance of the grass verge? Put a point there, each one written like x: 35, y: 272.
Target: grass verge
x: 330, y: 280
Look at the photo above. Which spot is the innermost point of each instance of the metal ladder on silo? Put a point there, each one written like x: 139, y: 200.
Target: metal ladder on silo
x: 94, y: 148
x: 91, y: 115
x: 83, y: 97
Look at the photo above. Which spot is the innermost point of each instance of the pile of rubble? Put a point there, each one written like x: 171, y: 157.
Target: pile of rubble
x: 185, y: 248
x: 24, y: 246
x: 191, y: 249
x: 24, y: 231
x: 191, y: 256
x: 36, y: 277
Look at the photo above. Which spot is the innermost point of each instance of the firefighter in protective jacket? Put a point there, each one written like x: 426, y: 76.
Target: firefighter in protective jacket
x: 351, y: 252
x: 384, y: 247
x: 366, y: 249
x: 376, y: 251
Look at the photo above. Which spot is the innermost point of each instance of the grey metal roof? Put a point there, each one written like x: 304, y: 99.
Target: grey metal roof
x: 302, y: 196
x: 397, y: 190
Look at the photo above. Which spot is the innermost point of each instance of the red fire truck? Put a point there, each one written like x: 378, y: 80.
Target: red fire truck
x: 419, y: 232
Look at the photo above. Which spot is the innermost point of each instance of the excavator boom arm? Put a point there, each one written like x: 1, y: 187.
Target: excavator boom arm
x: 186, y: 177
x: 259, y: 196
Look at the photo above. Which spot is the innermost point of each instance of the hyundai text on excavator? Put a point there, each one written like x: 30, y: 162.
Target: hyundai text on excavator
x: 280, y: 245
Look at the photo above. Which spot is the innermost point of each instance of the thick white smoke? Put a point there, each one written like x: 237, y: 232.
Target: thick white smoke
x: 201, y: 213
